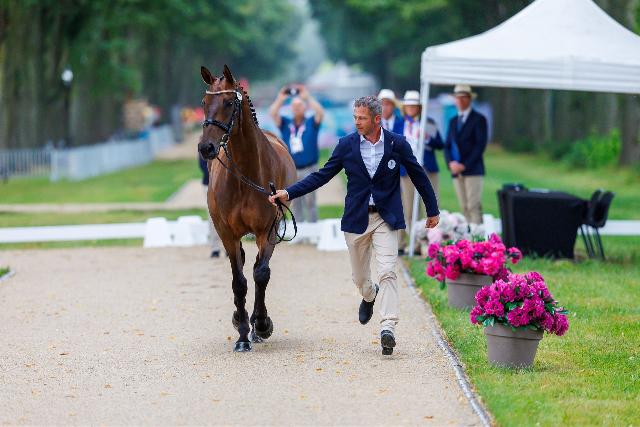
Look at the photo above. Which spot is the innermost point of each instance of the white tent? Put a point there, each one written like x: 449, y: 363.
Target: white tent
x: 551, y: 44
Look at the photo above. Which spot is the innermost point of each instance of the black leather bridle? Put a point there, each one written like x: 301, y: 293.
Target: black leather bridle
x: 226, y: 127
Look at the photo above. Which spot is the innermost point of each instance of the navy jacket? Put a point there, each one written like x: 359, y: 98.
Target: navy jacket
x: 471, y: 141
x: 398, y: 125
x: 434, y: 143
x: 385, y: 184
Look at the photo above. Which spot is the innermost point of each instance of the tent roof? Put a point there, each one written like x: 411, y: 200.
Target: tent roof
x: 552, y: 44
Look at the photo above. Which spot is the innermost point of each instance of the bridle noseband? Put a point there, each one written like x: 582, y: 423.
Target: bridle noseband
x: 226, y: 127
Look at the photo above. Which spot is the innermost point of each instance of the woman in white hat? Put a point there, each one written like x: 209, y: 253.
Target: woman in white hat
x: 411, y: 109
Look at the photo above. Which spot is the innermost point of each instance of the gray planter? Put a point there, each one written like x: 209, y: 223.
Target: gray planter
x: 462, y: 291
x: 509, y: 348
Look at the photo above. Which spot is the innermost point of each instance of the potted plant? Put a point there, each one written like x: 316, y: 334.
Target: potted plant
x: 515, y: 312
x: 466, y: 266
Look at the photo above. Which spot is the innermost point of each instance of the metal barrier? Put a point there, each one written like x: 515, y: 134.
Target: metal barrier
x: 86, y: 161
x: 25, y: 162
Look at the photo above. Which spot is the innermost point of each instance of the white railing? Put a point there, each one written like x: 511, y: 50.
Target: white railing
x: 93, y: 160
x: 82, y: 162
x: 25, y: 162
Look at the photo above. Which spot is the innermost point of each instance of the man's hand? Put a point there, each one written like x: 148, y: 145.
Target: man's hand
x: 303, y: 92
x: 432, y: 221
x: 456, y: 167
x: 280, y: 194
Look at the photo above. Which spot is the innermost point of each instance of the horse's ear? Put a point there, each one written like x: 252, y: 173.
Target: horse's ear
x: 206, y: 75
x: 227, y: 75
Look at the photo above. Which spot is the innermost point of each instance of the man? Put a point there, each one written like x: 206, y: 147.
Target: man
x: 300, y: 133
x: 465, y: 145
x: 371, y: 158
x: 411, y: 110
x: 390, y: 121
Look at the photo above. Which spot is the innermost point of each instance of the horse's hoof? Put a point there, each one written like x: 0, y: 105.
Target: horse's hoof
x: 235, y: 321
x: 242, y: 347
x: 254, y: 337
x: 267, y: 329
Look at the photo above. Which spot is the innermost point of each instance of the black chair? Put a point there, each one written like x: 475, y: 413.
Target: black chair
x: 596, y: 218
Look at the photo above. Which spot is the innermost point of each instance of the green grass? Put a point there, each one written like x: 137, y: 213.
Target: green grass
x: 591, y: 375
x: 153, y: 182
x: 3, y: 271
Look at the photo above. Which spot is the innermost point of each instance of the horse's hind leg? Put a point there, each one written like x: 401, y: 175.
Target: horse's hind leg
x: 239, y: 285
x: 261, y: 323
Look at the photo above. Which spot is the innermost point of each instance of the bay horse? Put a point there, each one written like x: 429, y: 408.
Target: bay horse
x: 238, y: 203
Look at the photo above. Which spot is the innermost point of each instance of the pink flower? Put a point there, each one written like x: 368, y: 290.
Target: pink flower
x: 547, y: 322
x: 561, y: 324
x: 532, y: 296
x: 518, y: 317
x: 475, y: 312
x: 482, y: 296
x: 494, y: 307
x: 433, y: 250
x: 515, y: 255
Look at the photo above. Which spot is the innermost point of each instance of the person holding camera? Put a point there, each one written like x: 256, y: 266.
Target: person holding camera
x: 300, y: 133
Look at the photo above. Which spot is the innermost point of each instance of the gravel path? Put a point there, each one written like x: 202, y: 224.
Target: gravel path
x: 108, y: 336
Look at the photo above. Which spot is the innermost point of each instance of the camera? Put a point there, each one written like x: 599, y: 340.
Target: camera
x: 291, y: 91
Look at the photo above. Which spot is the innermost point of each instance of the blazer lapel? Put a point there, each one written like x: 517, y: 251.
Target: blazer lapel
x: 470, y: 117
x: 355, y: 147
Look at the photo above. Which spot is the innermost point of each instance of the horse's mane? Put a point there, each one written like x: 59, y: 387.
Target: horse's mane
x: 251, y: 106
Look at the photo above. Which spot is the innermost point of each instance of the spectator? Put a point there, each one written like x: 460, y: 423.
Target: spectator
x: 465, y: 145
x: 390, y: 120
x: 300, y: 133
x: 412, y: 109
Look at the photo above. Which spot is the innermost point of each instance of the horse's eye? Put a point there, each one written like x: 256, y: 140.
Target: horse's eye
x: 228, y: 103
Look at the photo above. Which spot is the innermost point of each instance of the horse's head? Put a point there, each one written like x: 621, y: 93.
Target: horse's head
x: 221, y: 103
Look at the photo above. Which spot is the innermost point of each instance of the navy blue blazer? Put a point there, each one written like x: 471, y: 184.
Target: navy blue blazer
x: 398, y: 125
x: 471, y: 141
x: 385, y: 184
x: 434, y: 143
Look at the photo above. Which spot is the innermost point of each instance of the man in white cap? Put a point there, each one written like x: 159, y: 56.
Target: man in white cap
x: 464, y: 147
x: 412, y: 109
x: 390, y: 120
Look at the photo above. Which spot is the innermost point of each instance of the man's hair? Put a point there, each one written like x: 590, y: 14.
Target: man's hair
x: 371, y: 102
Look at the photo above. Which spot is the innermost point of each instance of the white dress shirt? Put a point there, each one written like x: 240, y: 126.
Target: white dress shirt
x: 464, y: 115
x: 388, y: 123
x: 372, y: 155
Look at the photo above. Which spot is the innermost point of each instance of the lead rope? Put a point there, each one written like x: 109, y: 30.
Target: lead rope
x: 280, y: 207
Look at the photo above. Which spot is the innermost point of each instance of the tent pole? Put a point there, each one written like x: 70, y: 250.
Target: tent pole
x: 424, y: 94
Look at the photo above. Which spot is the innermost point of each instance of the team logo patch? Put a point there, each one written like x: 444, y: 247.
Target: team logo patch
x: 391, y: 164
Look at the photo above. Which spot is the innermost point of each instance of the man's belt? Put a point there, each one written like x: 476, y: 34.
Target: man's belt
x: 373, y: 209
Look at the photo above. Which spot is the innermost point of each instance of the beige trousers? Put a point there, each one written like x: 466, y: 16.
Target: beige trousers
x: 384, y: 242
x: 304, y: 207
x: 408, y: 190
x: 469, y: 192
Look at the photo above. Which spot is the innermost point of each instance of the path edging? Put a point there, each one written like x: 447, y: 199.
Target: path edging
x: 436, y: 330
x: 7, y: 275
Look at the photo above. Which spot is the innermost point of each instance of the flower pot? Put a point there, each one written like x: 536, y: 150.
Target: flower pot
x: 462, y: 291
x: 509, y: 348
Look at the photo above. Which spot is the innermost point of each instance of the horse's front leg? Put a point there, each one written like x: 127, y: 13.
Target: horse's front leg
x: 262, y: 326
x: 240, y: 317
